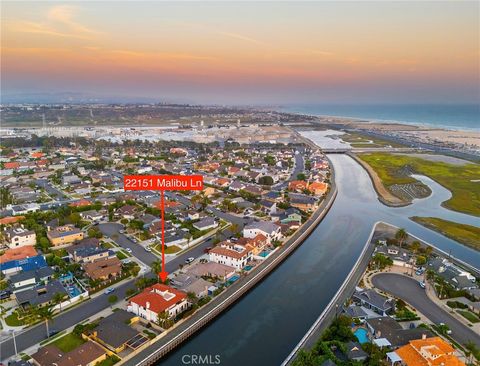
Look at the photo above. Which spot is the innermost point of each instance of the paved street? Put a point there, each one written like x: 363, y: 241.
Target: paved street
x: 297, y: 169
x: 51, y: 190
x: 112, y: 230
x: 409, y: 290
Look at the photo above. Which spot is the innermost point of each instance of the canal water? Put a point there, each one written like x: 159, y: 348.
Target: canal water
x: 263, y: 327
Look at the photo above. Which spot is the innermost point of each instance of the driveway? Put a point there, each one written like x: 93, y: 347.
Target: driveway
x: 410, y: 291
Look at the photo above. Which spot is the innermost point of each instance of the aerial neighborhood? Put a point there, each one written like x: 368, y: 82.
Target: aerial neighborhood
x: 72, y: 237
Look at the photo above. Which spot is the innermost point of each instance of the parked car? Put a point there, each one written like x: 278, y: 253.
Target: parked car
x: 109, y: 290
x: 52, y: 332
x: 148, y: 249
x: 189, y: 260
x: 207, y: 249
x: 422, y: 284
x: 128, y: 250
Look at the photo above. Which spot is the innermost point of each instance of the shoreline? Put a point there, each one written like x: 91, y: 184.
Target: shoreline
x: 372, y: 120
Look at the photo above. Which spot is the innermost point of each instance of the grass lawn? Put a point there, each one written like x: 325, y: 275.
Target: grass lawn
x: 459, y: 179
x: 471, y: 317
x: 465, y: 234
x: 171, y: 249
x: 121, y: 255
x: 13, y: 321
x: 68, y: 342
x: 109, y: 361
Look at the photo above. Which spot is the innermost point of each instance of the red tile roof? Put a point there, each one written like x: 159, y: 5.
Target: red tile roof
x: 18, y: 253
x: 158, y: 302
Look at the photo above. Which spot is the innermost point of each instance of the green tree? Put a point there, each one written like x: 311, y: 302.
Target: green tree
x: 401, y: 235
x: 112, y: 299
x: 58, y: 299
x: 156, y: 268
x: 45, y: 313
x: 301, y: 176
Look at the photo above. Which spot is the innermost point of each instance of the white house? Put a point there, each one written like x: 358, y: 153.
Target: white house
x: 230, y: 254
x: 157, y: 299
x: 267, y: 228
x: 19, y: 236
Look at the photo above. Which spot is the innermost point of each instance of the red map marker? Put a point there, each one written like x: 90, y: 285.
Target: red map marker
x: 163, y: 183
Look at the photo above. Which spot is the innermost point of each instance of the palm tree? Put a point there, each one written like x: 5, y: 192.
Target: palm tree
x: 58, y: 299
x: 45, y: 313
x: 414, y: 247
x: 156, y: 268
x: 401, y: 235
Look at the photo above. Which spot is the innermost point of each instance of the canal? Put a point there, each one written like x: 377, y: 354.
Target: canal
x: 263, y: 327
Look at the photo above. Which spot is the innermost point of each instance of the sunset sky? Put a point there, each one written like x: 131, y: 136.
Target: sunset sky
x: 255, y: 52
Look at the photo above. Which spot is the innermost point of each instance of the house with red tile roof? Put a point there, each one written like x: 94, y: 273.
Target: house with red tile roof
x: 318, y: 188
x: 297, y: 185
x: 432, y: 351
x: 158, y: 299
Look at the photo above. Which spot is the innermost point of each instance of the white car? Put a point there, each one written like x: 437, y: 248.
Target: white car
x: 128, y: 250
x: 109, y: 290
x: 148, y: 249
x: 189, y: 260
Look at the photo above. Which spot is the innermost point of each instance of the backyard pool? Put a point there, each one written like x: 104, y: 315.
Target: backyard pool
x: 264, y: 253
x: 247, y: 268
x: 362, y: 335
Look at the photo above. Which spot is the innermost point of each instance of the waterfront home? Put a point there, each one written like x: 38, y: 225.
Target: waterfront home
x: 87, y: 354
x: 158, y: 299
x: 230, y: 254
x: 355, y: 352
x: 400, y: 257
x: 191, y: 284
x: 302, y: 201
x: 116, y: 333
x: 318, y: 188
x: 66, y: 234
x: 388, y: 328
x: 428, y: 351
x: 371, y: 299
x: 19, y: 236
x: 256, y: 244
x: 269, y: 229
x: 211, y: 269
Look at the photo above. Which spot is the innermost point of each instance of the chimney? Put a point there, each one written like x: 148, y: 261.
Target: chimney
x: 147, y: 305
x: 424, y: 336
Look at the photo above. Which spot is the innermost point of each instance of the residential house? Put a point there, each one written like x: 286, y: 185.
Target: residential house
x: 302, y: 202
x: 115, y: 332
x: 297, y: 185
x: 256, y: 244
x: 66, y: 234
x: 22, y: 258
x: 19, y: 237
x: 40, y: 295
x: 388, y: 328
x: 318, y: 188
x: 269, y: 229
x: 211, y: 269
x: 27, y: 279
x: 371, y: 299
x: 158, y: 299
x: 103, y: 269
x: 206, y: 224
x: 92, y: 215
x: 87, y: 354
x: 428, y: 352
x: 230, y: 254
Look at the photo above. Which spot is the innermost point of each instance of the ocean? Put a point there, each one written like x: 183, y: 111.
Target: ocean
x: 451, y: 116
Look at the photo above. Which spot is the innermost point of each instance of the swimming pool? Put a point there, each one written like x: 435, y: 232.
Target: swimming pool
x: 362, y: 335
x: 233, y: 278
x: 264, y: 254
x: 247, y: 268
